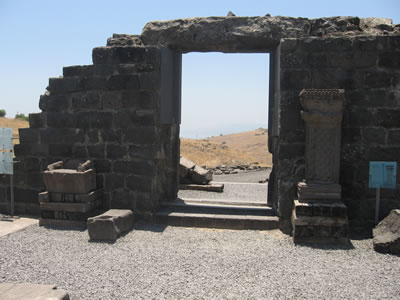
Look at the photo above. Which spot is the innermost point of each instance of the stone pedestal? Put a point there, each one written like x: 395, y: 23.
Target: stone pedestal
x: 319, y: 214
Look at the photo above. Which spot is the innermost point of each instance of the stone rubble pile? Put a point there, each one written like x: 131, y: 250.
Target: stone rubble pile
x: 234, y: 169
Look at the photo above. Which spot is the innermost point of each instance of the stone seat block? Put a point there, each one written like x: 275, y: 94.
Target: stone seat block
x: 110, y: 225
x: 70, y: 181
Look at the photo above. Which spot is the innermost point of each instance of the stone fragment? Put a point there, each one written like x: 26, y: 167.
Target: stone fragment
x: 185, y: 166
x: 14, y: 291
x: 387, y: 234
x: 110, y: 225
x: 200, y: 175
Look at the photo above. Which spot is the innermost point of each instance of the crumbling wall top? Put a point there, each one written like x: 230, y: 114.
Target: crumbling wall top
x: 249, y: 34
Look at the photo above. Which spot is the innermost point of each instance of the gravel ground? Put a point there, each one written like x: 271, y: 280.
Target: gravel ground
x: 187, y: 263
x: 233, y: 190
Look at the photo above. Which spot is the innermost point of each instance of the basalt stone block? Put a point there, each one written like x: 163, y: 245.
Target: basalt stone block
x: 86, y: 101
x: 102, y: 165
x: 387, y: 234
x: 138, y: 167
x: 140, y: 183
x: 96, y: 151
x: 78, y: 71
x: 388, y: 118
x: 150, y: 80
x: 54, y: 102
x: 94, y: 120
x: 60, y: 150
x: 37, y: 120
x: 31, y: 149
x: 141, y: 136
x: 29, y: 135
x: 61, y: 135
x: 110, y: 225
x: 123, y: 82
x: 65, y: 85
x: 111, y: 135
x: 375, y: 135
x: 60, y: 120
x: 113, y: 182
x: 123, y: 55
x: 200, y: 175
x: 116, y: 151
x: 394, y: 137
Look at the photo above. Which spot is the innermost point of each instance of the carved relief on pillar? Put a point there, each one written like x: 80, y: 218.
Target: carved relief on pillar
x: 322, y: 113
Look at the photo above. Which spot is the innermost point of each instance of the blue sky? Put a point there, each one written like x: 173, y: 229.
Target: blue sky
x: 39, y: 37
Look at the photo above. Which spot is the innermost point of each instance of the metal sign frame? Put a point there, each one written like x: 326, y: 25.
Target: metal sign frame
x: 6, y: 160
x: 382, y: 174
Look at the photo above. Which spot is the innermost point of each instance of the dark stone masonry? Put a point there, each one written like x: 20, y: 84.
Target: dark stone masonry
x: 123, y: 112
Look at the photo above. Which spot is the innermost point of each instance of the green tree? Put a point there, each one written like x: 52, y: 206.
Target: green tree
x: 22, y: 117
x: 2, y: 113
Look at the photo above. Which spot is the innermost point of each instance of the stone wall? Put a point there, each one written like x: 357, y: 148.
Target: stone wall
x: 123, y: 112
x: 107, y: 112
x: 368, y: 69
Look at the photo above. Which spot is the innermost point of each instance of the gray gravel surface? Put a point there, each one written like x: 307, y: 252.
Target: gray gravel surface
x: 247, y: 176
x: 232, y: 191
x: 154, y: 262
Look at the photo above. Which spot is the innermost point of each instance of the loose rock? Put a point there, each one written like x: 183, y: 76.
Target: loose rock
x: 387, y: 234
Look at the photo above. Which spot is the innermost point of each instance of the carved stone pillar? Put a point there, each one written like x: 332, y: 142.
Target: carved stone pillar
x: 322, y: 113
x: 319, y: 215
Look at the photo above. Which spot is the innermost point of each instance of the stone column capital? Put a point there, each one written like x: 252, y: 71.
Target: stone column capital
x: 328, y: 101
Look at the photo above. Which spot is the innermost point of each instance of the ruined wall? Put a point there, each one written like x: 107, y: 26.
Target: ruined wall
x: 107, y: 112
x: 123, y: 112
x: 368, y: 68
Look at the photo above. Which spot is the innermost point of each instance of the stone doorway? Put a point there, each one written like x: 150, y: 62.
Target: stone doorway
x: 255, y: 206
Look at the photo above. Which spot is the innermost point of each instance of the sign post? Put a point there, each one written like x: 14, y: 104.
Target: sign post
x: 382, y: 174
x: 6, y: 160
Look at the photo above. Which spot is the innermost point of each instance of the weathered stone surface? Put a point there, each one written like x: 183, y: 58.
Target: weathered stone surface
x: 200, y: 175
x: 73, y: 177
x: 185, y: 166
x: 250, y: 34
x: 20, y: 291
x: 387, y: 234
x: 189, y: 172
x: 110, y: 225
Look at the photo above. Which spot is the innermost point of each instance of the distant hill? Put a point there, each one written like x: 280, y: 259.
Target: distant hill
x: 237, y: 148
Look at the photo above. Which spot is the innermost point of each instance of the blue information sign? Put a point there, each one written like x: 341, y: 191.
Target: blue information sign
x: 382, y: 174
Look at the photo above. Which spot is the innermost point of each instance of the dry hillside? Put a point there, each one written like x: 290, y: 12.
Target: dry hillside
x: 238, y: 148
x: 14, y: 124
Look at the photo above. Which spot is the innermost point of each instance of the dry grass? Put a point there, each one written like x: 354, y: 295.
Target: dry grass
x: 15, y: 124
x: 238, y: 148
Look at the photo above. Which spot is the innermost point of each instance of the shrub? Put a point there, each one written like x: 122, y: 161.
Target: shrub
x: 2, y: 113
x: 22, y: 117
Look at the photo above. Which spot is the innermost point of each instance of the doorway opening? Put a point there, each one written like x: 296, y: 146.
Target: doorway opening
x: 224, y: 123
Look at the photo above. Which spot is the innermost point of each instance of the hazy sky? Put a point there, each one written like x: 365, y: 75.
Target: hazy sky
x: 39, y: 37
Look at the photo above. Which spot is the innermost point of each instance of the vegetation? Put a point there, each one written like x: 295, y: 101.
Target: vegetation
x: 2, y: 113
x: 22, y: 117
